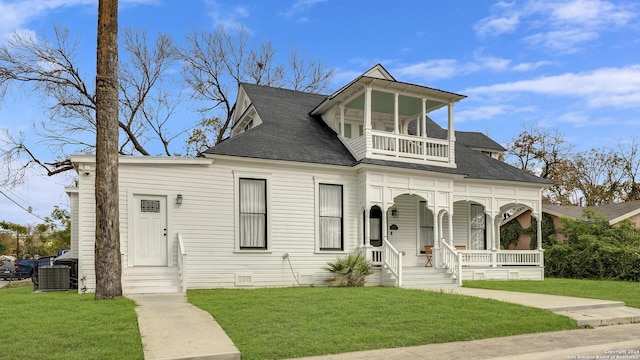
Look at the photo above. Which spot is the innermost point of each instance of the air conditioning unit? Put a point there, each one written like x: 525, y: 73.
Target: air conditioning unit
x: 54, y: 277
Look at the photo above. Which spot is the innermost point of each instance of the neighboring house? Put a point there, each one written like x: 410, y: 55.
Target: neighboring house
x: 613, y: 213
x: 304, y: 178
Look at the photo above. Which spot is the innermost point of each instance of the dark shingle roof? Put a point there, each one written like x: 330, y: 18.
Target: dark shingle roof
x: 471, y: 139
x: 289, y: 133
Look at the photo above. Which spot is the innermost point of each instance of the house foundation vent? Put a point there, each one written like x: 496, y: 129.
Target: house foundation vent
x: 53, y: 277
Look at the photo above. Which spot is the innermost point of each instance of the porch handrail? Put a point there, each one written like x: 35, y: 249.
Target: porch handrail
x: 502, y: 258
x: 182, y: 263
x: 392, y: 260
x: 451, y: 260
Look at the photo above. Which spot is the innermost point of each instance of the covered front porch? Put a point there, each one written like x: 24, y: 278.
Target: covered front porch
x: 414, y: 237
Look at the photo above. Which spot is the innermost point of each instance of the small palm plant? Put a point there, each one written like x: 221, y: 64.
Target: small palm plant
x: 349, y: 270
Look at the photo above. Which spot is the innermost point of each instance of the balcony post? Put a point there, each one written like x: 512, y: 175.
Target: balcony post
x: 342, y: 120
x: 395, y: 113
x: 424, y: 117
x: 451, y: 135
x: 367, y: 109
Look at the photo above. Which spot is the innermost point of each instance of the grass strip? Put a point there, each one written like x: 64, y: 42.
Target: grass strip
x: 294, y: 322
x: 626, y: 291
x: 66, y: 325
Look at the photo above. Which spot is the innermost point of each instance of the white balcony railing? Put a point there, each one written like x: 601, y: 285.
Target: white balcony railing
x: 408, y: 148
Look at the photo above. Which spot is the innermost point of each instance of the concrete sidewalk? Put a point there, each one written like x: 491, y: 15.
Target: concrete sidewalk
x: 569, y: 344
x: 171, y: 328
x: 586, y: 312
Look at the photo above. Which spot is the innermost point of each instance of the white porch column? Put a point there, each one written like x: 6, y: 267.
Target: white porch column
x: 436, y: 239
x: 395, y: 113
x: 367, y: 108
x: 418, y: 129
x: 495, y: 240
x: 539, y: 233
x: 424, y: 117
x: 385, y: 228
x: 367, y: 227
x: 451, y: 135
x: 342, y: 120
x: 450, y: 223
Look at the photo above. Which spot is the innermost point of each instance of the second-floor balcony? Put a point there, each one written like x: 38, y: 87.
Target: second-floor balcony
x: 383, y: 145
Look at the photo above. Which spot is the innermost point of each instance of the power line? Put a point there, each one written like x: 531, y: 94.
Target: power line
x: 20, y: 206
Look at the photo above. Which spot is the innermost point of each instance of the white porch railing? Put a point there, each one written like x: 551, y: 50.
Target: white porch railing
x: 391, y: 259
x: 502, y: 258
x: 182, y: 263
x: 450, y: 259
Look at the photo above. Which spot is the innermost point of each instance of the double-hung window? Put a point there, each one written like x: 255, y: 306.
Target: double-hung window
x: 330, y: 217
x: 253, y: 213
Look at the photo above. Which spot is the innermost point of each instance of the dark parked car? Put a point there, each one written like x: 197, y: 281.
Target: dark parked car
x: 21, y: 268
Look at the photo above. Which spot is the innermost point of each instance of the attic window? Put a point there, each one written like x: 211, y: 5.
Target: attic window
x: 249, y: 125
x: 150, y: 206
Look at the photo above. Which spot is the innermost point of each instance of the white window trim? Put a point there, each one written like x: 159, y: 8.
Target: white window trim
x: 316, y: 214
x: 237, y: 175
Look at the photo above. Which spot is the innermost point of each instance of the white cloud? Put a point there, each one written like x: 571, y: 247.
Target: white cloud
x: 15, y: 15
x: 615, y: 87
x: 480, y: 113
x: 437, y: 69
x: 530, y: 66
x: 565, y: 41
x: 300, y: 7
x: 429, y: 70
x: 557, y: 25
x: 228, y: 18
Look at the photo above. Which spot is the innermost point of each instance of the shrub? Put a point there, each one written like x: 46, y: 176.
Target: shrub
x: 349, y: 270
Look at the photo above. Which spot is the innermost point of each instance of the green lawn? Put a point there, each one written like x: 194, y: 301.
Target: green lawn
x: 294, y: 322
x: 626, y: 291
x: 65, y: 325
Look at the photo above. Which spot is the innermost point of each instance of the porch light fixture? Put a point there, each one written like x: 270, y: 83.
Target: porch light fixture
x: 394, y: 213
x: 179, y: 199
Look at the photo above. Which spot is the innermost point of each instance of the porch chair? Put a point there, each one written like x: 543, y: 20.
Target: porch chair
x: 428, y: 251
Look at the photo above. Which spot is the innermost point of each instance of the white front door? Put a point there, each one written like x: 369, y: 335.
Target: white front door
x: 150, y: 231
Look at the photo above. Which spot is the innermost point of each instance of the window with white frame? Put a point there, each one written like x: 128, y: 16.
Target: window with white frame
x: 425, y: 217
x: 253, y: 213
x: 330, y: 214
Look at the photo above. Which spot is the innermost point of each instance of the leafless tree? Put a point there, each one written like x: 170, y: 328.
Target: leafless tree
x: 543, y: 152
x: 50, y: 69
x: 216, y: 63
x: 597, y: 176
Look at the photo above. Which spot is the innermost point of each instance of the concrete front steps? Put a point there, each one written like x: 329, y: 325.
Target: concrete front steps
x: 420, y: 278
x: 151, y: 280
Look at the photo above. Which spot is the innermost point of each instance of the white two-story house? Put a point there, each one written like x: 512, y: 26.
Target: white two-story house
x: 304, y: 178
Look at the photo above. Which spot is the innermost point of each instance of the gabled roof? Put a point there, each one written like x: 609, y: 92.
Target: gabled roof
x: 289, y: 133
x: 614, y: 213
x: 378, y: 75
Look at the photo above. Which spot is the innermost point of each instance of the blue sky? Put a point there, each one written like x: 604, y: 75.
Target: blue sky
x: 572, y: 65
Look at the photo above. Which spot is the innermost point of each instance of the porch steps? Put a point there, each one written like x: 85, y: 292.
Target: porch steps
x: 420, y: 277
x: 151, y: 280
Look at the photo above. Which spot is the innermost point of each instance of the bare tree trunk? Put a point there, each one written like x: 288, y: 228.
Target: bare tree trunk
x: 107, y: 249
